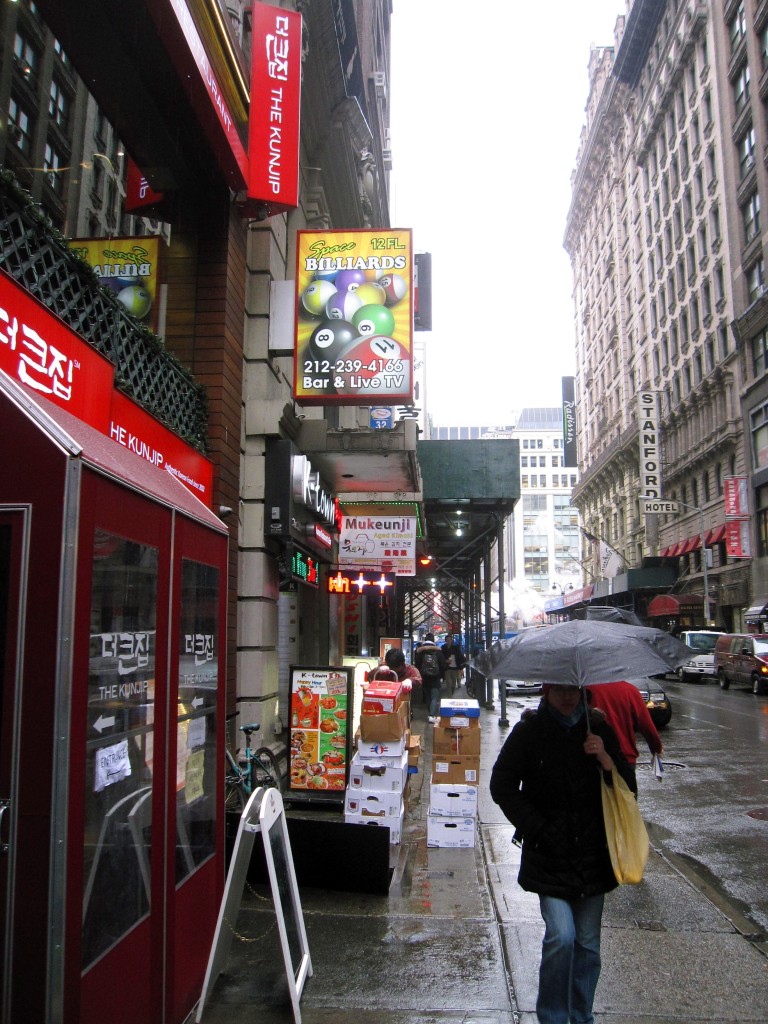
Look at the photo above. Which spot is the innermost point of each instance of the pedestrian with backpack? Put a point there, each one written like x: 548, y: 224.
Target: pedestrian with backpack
x: 430, y: 662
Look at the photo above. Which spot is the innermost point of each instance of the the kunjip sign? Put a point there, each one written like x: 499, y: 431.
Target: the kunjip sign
x: 39, y: 351
x: 273, y: 123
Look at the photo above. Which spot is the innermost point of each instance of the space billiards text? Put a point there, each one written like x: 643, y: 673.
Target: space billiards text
x: 353, y: 335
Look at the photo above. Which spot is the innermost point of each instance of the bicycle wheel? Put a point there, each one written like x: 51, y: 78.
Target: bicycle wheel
x: 234, y: 794
x: 265, y: 771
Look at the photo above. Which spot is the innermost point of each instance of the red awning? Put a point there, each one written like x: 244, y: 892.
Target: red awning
x: 664, y: 552
x: 676, y: 549
x: 691, y: 544
x: 671, y: 604
x: 716, y: 536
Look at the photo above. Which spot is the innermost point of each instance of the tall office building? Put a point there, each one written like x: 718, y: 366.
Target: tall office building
x: 666, y: 243
x: 542, y: 547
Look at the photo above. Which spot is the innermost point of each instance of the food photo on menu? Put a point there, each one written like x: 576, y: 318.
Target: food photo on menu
x: 318, y: 748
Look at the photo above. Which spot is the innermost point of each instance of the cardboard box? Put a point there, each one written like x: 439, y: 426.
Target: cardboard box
x: 450, y: 739
x: 450, y: 832
x: 453, y: 801
x: 382, y: 698
x: 394, y: 823
x: 379, y: 775
x: 456, y: 706
x: 455, y: 770
x: 373, y: 804
x: 386, y: 728
x: 414, y: 751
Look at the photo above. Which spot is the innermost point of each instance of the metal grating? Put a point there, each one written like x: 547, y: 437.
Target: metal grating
x: 37, y: 257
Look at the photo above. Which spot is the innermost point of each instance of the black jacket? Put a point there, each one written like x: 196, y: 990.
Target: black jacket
x: 418, y: 661
x: 550, y: 790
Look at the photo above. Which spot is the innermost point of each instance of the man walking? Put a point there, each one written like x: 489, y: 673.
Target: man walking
x: 454, y: 663
x: 430, y: 662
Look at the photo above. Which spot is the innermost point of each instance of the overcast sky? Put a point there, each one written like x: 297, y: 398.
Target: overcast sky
x: 487, y: 105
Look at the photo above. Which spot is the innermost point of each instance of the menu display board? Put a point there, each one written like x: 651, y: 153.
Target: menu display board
x: 320, y: 733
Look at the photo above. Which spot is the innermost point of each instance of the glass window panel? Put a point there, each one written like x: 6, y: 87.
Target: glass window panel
x: 119, y: 749
x: 196, y: 729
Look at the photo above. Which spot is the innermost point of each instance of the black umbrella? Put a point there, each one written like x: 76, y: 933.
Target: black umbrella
x: 582, y: 653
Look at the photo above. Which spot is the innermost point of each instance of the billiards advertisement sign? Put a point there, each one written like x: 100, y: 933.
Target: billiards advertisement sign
x: 354, y: 317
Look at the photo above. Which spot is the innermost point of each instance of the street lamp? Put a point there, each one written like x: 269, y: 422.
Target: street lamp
x: 560, y: 589
x: 704, y: 566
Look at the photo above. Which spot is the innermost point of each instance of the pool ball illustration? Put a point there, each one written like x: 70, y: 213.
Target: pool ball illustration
x: 329, y: 339
x: 343, y: 305
x: 379, y: 370
x: 349, y: 280
x: 371, y: 293
x: 395, y: 288
x: 373, y: 319
x: 136, y: 300
x: 315, y: 296
x: 326, y: 275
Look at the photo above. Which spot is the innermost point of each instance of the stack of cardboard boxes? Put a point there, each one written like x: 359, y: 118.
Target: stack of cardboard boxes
x: 379, y: 769
x: 455, y: 775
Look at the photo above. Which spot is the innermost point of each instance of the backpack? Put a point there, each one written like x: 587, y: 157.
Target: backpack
x: 430, y: 663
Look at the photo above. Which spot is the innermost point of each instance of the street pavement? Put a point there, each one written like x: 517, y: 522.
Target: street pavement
x: 455, y: 940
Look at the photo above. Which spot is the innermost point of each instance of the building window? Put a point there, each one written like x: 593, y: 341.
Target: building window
x: 26, y: 57
x: 58, y: 105
x: 19, y: 126
x: 759, y: 430
x: 761, y: 520
x: 760, y: 354
x: 737, y: 27
x: 746, y: 150
x: 741, y: 89
x: 523, y: 481
x: 750, y: 216
x: 755, y: 280
x: 524, y: 462
x: 53, y: 165
x: 705, y: 482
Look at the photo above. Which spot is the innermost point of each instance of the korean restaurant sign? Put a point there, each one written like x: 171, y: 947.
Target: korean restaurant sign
x: 205, y: 92
x: 354, y: 318
x: 382, y: 542
x: 274, y: 118
x: 39, y: 351
x: 129, y: 268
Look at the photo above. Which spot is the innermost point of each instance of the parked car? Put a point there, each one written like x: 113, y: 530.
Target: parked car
x: 742, y: 658
x: 518, y: 686
x: 656, y: 700
x: 702, y: 661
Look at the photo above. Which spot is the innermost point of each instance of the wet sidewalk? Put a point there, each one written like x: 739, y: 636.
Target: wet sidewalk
x: 456, y: 940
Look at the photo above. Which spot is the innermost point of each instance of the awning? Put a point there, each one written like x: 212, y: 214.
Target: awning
x: 676, y: 549
x: 673, y: 604
x: 715, y: 536
x: 664, y: 552
x: 692, y: 544
x: 754, y: 612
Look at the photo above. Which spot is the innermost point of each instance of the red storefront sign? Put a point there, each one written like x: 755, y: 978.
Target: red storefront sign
x: 138, y: 194
x: 194, y: 69
x: 273, y: 130
x: 736, y: 495
x: 737, y: 541
x: 42, y: 353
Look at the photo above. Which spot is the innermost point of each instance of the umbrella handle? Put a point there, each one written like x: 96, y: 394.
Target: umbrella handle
x: 586, y: 709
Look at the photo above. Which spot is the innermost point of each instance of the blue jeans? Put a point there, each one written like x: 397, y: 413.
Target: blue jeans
x: 570, y: 959
x: 432, y: 696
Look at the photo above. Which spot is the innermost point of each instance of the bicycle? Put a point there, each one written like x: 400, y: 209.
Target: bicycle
x: 255, y: 768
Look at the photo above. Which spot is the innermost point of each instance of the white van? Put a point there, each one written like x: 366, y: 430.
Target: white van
x: 702, y: 661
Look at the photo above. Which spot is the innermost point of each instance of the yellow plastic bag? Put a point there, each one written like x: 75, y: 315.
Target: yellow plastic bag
x: 625, y: 831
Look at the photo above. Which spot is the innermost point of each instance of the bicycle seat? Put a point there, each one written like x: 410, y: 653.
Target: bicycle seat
x: 253, y: 727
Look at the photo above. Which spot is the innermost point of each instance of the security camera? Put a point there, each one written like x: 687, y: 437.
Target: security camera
x: 225, y: 511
